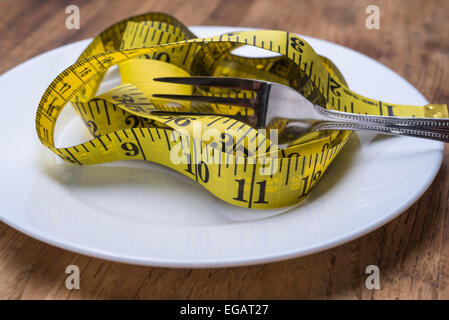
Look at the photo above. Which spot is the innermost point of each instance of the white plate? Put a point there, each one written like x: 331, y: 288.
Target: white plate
x: 142, y: 213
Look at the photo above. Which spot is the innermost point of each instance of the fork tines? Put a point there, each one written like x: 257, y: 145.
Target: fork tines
x: 220, y: 82
x: 242, y: 102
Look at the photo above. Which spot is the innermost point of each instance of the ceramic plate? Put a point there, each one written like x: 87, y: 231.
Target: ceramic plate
x: 143, y: 213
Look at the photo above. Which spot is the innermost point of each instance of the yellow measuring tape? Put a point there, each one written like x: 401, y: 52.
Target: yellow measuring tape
x: 237, y: 163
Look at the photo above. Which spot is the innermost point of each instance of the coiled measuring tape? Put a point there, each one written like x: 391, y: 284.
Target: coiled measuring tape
x: 124, y: 124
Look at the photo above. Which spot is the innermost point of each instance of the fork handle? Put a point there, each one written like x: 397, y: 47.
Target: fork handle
x: 409, y: 122
x: 391, y: 129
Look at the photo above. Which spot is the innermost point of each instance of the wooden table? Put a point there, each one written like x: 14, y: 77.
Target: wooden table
x: 410, y: 251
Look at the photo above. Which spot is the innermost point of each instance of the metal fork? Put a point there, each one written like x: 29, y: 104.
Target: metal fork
x: 276, y: 101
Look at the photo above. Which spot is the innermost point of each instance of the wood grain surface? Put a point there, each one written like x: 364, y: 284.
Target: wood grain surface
x: 412, y: 251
